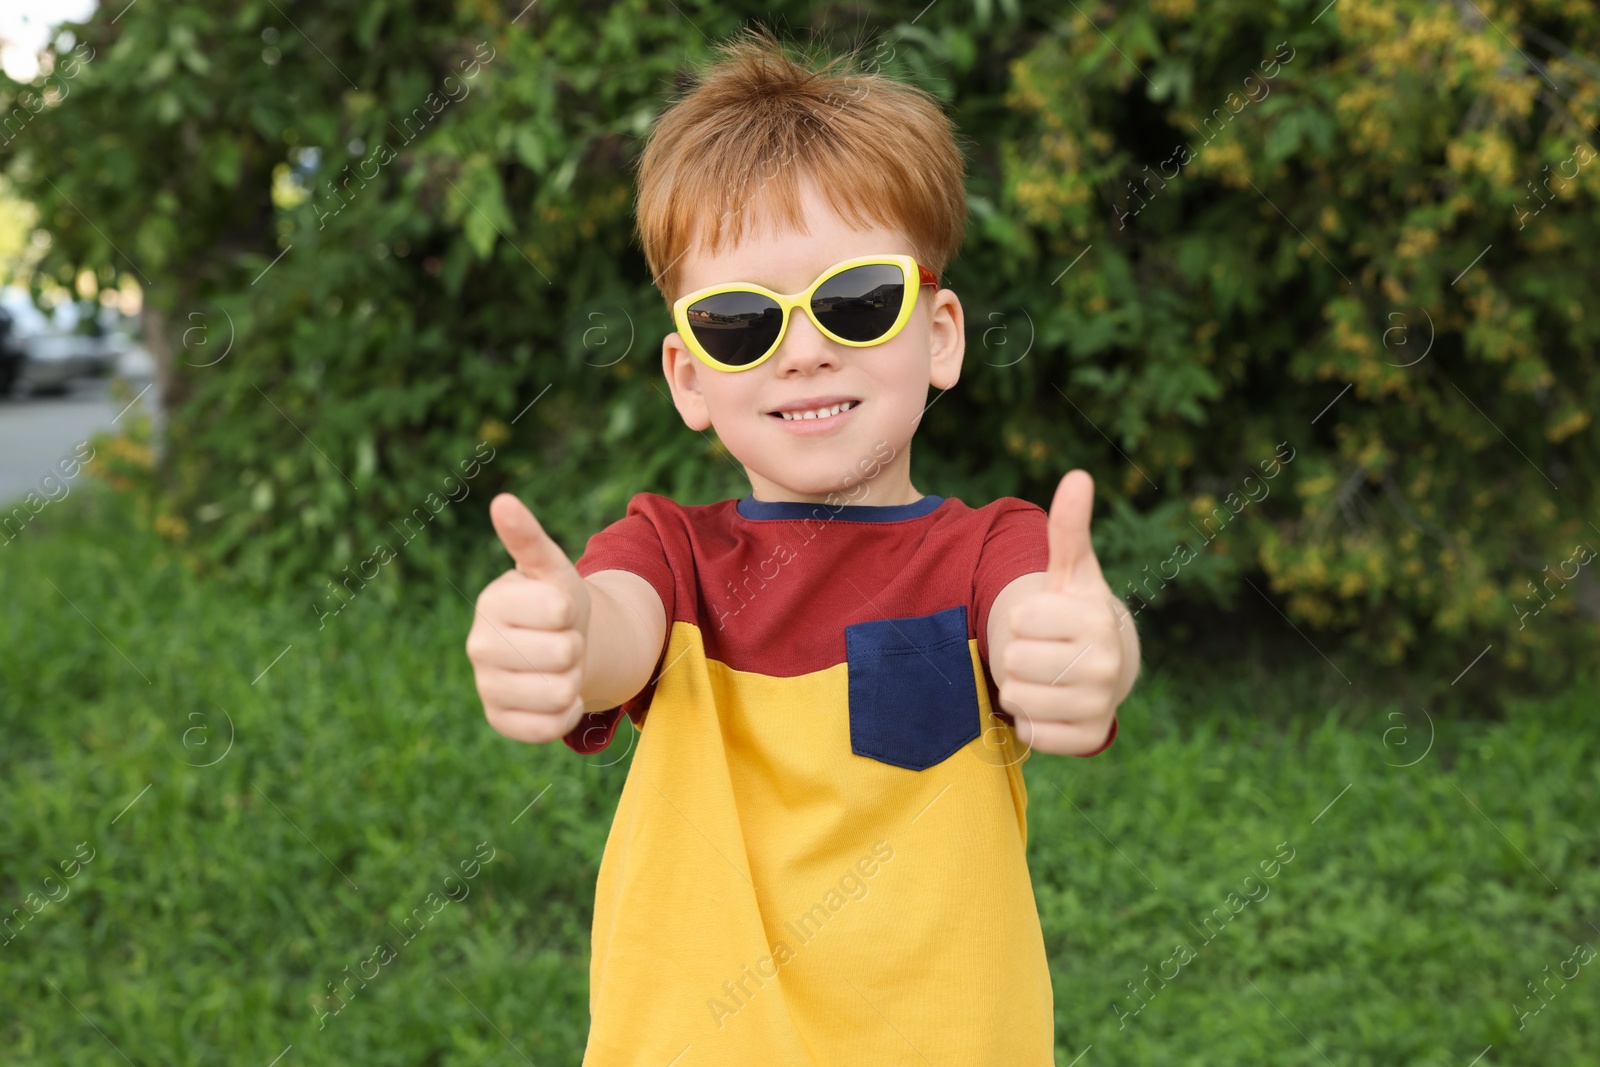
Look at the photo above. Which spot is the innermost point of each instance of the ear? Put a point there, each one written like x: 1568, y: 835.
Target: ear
x: 683, y: 378
x: 947, y: 338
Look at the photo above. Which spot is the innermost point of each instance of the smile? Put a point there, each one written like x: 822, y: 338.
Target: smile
x: 819, y: 413
x: 822, y: 420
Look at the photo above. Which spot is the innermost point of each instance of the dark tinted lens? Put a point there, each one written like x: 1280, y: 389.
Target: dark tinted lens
x: 860, y: 304
x: 736, y: 328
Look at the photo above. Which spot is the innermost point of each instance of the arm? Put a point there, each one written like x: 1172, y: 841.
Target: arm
x: 626, y: 635
x: 546, y: 642
x: 1064, y: 662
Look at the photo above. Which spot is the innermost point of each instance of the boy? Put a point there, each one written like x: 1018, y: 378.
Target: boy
x: 818, y: 856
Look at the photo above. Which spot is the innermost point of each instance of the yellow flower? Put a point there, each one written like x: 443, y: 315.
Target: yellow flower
x: 494, y: 431
x: 1574, y: 421
x: 1173, y: 9
x: 171, y: 527
x: 1416, y: 243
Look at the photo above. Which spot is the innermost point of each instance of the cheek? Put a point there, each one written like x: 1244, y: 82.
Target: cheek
x: 733, y: 403
x: 899, y: 377
x: 739, y: 393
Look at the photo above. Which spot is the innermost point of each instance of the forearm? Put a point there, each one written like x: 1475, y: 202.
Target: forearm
x: 623, y: 643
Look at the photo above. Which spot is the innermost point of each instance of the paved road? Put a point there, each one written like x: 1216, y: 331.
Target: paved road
x: 37, y: 432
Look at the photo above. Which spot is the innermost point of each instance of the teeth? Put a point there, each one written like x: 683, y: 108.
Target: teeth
x: 820, y: 413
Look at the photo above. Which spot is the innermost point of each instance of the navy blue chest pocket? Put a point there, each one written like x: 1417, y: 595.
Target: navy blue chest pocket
x: 913, y: 694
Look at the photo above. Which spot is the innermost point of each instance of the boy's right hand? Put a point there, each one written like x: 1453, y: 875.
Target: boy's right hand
x: 530, y: 633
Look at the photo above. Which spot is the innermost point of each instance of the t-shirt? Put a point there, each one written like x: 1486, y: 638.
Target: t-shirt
x: 818, y: 856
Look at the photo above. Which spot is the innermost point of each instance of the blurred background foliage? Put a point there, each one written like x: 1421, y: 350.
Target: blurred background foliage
x: 380, y: 239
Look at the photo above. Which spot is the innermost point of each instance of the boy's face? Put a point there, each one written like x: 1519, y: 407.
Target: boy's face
x: 861, y: 456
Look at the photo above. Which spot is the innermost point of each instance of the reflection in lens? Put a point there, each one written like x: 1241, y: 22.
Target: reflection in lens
x: 736, y: 328
x: 860, y: 304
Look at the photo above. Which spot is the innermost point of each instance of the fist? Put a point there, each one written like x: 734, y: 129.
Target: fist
x: 530, y: 632
x: 1064, y: 659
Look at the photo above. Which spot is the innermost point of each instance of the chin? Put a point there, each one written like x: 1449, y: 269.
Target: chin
x: 812, y: 487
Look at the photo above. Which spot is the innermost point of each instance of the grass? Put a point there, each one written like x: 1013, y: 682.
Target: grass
x: 230, y: 886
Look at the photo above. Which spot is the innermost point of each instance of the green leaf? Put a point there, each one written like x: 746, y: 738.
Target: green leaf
x: 530, y: 149
x: 227, y: 156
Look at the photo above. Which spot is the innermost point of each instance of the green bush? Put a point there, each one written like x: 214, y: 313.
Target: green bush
x: 1345, y: 267
x: 1288, y: 201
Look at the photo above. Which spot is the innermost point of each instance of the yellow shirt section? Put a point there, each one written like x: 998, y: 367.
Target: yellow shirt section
x: 768, y: 897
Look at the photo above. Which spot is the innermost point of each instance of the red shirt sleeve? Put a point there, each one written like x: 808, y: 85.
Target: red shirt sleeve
x: 632, y: 543
x: 1017, y: 543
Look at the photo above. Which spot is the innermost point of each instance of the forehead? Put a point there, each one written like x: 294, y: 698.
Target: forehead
x: 784, y: 258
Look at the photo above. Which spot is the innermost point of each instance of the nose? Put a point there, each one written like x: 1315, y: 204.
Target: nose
x: 805, y: 349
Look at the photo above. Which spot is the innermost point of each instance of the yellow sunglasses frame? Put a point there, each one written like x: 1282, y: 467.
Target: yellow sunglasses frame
x: 909, y: 268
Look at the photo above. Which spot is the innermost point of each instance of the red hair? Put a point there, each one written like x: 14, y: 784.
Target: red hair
x: 755, y: 122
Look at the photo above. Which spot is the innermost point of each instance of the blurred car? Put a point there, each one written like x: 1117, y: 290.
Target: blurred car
x: 12, y: 357
x: 75, y: 340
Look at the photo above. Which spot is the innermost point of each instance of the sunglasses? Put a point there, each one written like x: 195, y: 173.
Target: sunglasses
x: 860, y: 302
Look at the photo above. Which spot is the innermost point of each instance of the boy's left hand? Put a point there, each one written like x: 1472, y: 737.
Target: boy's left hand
x: 1065, y: 657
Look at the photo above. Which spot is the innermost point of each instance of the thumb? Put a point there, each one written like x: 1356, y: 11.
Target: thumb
x: 533, y: 551
x: 1068, y: 530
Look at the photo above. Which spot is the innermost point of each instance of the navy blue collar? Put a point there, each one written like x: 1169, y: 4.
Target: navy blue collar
x: 751, y: 508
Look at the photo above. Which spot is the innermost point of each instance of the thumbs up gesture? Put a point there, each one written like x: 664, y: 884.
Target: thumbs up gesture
x: 529, y: 633
x: 1063, y: 653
